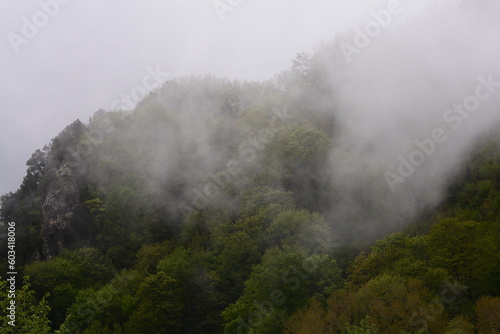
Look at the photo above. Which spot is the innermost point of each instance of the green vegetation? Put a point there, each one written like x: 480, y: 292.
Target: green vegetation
x: 31, y: 315
x: 207, y: 209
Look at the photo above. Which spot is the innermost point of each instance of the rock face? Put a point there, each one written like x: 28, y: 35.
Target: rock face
x: 59, y: 207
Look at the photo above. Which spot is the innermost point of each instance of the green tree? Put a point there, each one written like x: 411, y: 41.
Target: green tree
x: 401, y: 255
x: 116, y: 217
x: 467, y: 251
x: 299, y: 228
x: 160, y: 306
x: 31, y: 316
x: 107, y: 307
x: 262, y: 198
x: 385, y: 304
x: 149, y: 256
x: 460, y: 325
x: 65, y: 275
x: 196, y: 282
x: 279, y: 285
x: 57, y: 276
x: 234, y: 262
x: 395, y: 304
x: 302, y: 150
x: 365, y: 327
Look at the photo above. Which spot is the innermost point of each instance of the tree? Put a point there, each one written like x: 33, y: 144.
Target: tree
x: 488, y: 315
x: 365, y: 327
x: 107, y: 307
x: 196, y: 283
x: 460, y: 325
x: 299, y: 228
x: 115, y: 217
x: 395, y: 304
x: 149, y: 256
x: 400, y: 255
x: 57, y: 276
x: 467, y: 252
x: 309, y: 319
x: 301, y: 150
x: 31, y: 316
x: 385, y: 304
x: 262, y: 198
x: 160, y: 306
x: 284, y: 281
x: 234, y: 263
x: 65, y: 275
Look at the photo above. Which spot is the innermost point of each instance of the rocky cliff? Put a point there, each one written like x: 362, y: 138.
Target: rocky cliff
x: 58, y: 209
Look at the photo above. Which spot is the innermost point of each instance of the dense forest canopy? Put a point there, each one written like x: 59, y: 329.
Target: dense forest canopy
x: 287, y: 206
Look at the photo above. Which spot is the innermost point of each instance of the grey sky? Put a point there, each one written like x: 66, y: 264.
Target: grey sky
x: 92, y: 51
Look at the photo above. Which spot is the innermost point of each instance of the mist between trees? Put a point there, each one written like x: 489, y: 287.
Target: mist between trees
x: 200, y: 210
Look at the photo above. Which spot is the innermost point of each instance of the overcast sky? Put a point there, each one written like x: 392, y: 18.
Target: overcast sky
x: 88, y: 53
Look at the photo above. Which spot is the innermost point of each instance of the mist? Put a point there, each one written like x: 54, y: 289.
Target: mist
x: 233, y: 166
x: 411, y: 105
x: 411, y: 87
x: 90, y: 53
x: 410, y: 100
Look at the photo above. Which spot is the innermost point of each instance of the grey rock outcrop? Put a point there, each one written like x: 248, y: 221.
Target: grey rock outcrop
x: 58, y: 209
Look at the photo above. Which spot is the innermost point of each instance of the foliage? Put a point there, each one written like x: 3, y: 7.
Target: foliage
x: 31, y: 315
x: 159, y: 306
x: 208, y: 208
x: 488, y: 315
x: 365, y: 327
x: 278, y: 286
x: 467, y: 251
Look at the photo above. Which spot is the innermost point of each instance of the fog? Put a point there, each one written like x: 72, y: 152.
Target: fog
x: 410, y: 96
x: 411, y: 105
x: 88, y: 53
x: 410, y: 101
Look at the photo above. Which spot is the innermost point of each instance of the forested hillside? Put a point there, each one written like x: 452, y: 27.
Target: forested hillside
x: 219, y: 206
